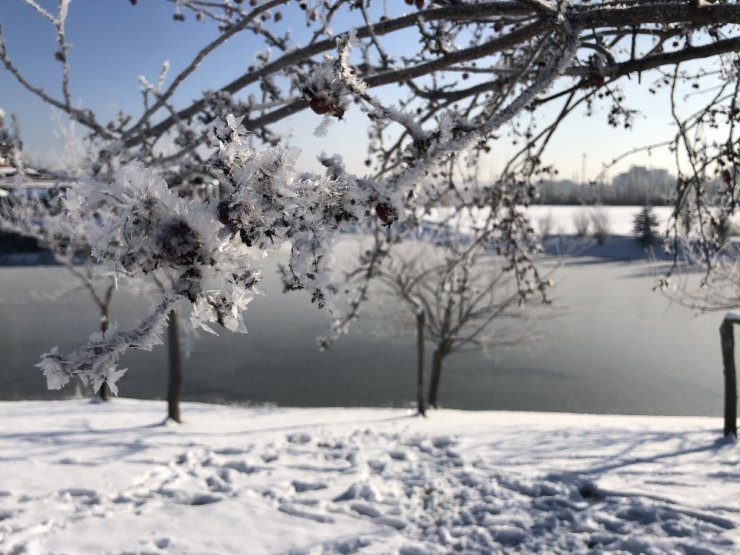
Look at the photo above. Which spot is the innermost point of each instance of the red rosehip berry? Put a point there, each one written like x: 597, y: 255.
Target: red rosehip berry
x: 320, y: 105
x: 386, y: 213
x: 597, y: 79
x: 726, y: 176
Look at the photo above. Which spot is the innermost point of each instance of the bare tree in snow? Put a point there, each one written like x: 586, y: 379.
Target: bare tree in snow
x: 459, y: 297
x: 442, y: 83
x: 43, y: 219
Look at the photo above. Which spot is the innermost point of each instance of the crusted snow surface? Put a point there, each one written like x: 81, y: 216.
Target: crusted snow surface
x: 77, y: 477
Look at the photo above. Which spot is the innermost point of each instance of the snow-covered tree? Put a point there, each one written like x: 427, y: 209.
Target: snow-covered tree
x: 442, y: 84
x: 600, y: 223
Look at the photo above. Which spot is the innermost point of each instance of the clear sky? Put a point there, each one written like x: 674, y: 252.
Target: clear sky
x: 113, y: 43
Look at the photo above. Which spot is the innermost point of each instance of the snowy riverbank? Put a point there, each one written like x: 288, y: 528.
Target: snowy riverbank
x: 90, y: 478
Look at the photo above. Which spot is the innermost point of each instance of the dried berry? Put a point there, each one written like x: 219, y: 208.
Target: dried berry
x: 224, y: 212
x: 419, y: 4
x: 320, y: 104
x: 386, y: 213
x: 597, y: 79
x: 230, y: 215
x: 247, y: 237
x: 179, y: 243
x: 188, y: 284
x: 726, y: 176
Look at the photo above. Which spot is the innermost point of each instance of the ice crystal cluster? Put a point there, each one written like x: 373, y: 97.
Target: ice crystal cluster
x: 142, y: 227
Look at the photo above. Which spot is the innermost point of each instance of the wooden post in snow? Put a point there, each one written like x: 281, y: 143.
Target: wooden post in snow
x: 174, y: 385
x: 728, y: 363
x: 421, y: 403
x: 420, y: 400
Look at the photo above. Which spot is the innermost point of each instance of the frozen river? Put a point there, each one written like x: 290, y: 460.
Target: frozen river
x: 611, y: 346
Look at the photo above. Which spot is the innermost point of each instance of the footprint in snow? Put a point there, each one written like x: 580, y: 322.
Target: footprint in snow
x: 392, y: 521
x: 217, y: 484
x: 359, y: 490
x: 295, y: 511
x: 298, y: 438
x: 398, y: 455
x: 376, y: 465
x: 203, y: 499
x: 443, y: 441
x: 365, y: 509
x: 5, y: 515
x: 232, y: 451
x: 240, y: 466
x: 300, y: 486
x: 84, y: 496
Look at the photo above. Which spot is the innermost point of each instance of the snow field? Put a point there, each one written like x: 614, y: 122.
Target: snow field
x: 77, y: 477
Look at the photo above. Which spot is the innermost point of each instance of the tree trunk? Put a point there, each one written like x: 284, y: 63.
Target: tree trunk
x: 420, y: 401
x: 104, y: 391
x: 728, y: 362
x: 175, y: 368
x: 436, y: 373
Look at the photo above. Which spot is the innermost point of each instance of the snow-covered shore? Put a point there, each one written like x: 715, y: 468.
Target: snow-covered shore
x: 77, y: 477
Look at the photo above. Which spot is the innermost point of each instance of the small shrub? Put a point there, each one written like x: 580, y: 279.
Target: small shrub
x: 581, y: 222
x: 686, y: 220
x: 545, y: 225
x: 724, y: 230
x: 601, y: 224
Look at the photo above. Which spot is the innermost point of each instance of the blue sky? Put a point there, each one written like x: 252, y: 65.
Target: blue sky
x: 113, y: 43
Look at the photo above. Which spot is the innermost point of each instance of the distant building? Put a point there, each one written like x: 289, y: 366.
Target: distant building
x: 638, y: 185
x: 644, y: 184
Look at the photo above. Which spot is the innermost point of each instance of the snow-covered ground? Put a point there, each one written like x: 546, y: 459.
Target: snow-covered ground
x: 77, y: 477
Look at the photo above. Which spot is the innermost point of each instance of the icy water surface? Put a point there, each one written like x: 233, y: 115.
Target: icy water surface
x: 612, y: 346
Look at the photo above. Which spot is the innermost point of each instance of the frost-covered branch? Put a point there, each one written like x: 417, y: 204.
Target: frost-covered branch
x: 465, y: 77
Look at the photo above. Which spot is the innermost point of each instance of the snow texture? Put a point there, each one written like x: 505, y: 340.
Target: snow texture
x: 111, y: 478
